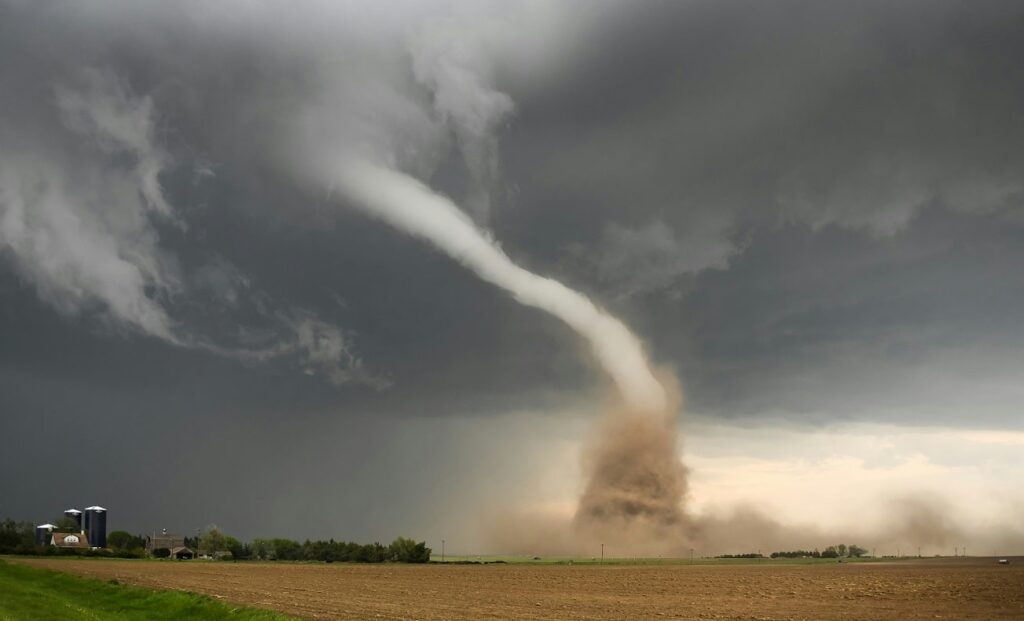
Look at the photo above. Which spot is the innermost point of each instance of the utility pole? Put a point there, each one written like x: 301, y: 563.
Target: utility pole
x: 691, y: 556
x: 918, y: 551
x: 602, y: 554
x: 442, y: 550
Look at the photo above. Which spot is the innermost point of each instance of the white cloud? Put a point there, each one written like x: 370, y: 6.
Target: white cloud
x: 654, y: 257
x: 325, y: 349
x: 118, y: 121
x: 449, y: 59
x: 78, y: 227
x: 883, y: 194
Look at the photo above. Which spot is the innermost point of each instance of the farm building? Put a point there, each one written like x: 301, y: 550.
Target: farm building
x: 182, y: 553
x: 44, y: 534
x: 88, y: 529
x: 95, y: 523
x: 164, y: 541
x: 70, y: 540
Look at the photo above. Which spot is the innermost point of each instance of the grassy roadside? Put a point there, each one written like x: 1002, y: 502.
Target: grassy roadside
x: 39, y: 594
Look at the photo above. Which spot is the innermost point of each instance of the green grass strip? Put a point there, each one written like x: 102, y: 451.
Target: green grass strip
x: 40, y: 594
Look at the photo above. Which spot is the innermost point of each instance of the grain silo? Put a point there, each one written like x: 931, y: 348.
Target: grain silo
x: 75, y: 515
x: 96, y: 526
x: 43, y: 534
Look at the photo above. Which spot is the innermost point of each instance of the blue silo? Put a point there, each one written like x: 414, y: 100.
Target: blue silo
x: 75, y: 515
x: 43, y: 534
x: 96, y: 526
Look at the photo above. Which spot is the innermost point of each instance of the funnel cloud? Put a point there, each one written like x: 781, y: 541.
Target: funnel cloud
x: 403, y: 202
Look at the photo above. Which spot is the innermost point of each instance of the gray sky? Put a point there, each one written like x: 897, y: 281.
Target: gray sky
x: 812, y: 212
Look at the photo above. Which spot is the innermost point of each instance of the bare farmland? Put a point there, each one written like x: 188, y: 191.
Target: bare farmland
x: 908, y: 590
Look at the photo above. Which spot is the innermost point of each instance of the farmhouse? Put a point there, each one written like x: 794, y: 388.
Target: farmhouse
x: 70, y: 540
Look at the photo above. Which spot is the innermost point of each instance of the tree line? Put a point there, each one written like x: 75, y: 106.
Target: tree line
x: 837, y: 551
x: 744, y: 555
x: 401, y: 550
x: 20, y: 538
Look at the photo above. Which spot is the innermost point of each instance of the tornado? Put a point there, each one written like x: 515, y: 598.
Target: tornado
x: 634, y: 479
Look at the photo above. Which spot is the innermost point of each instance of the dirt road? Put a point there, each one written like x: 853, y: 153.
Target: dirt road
x: 907, y: 590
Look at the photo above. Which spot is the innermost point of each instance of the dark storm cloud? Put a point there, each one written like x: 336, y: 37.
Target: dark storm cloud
x: 812, y: 210
x: 846, y: 176
x: 704, y: 114
x: 789, y: 326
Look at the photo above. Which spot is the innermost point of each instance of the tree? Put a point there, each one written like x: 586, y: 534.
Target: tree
x: 286, y: 549
x: 406, y: 550
x: 857, y: 551
x: 841, y: 548
x: 123, y: 540
x: 262, y: 549
x: 212, y: 541
x: 66, y: 523
x: 370, y: 553
x: 17, y: 536
x: 239, y: 551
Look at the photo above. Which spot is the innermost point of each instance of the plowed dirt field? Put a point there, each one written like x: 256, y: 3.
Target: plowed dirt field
x: 907, y: 590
